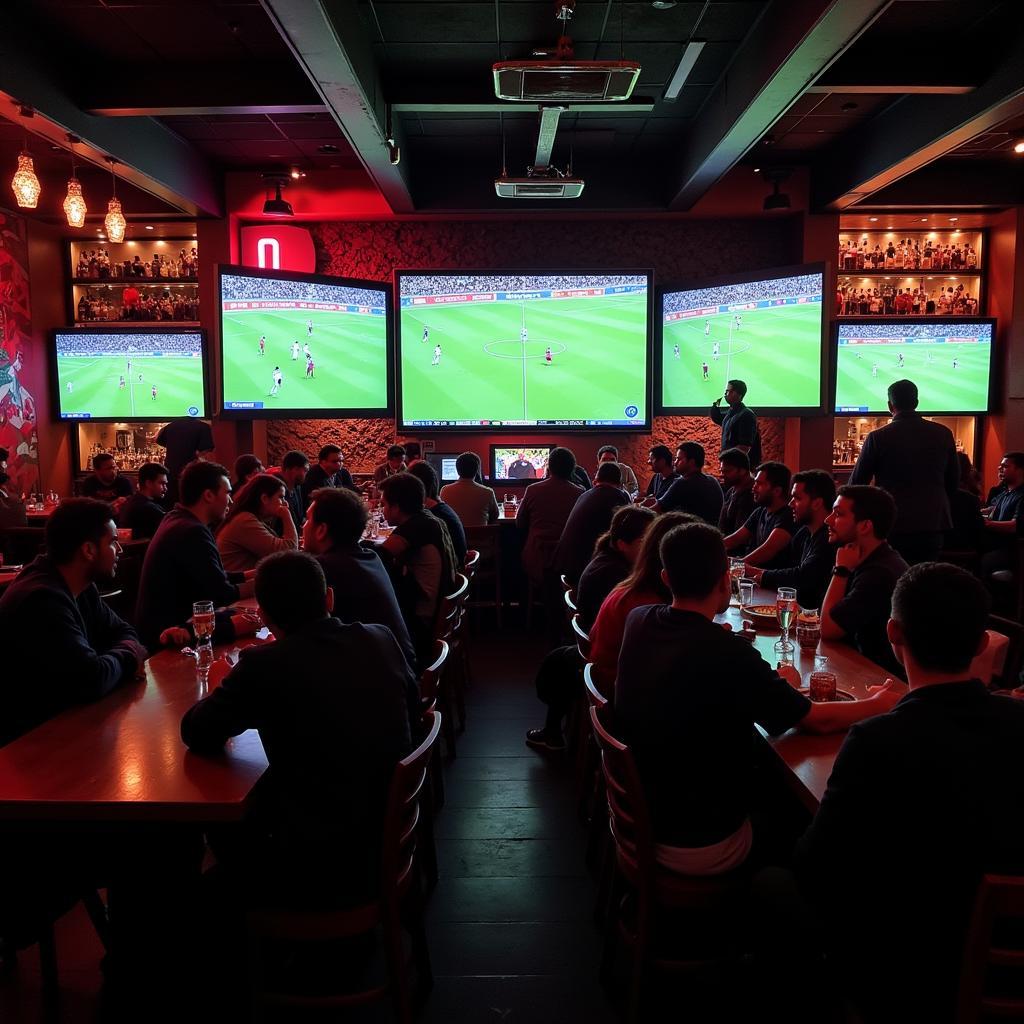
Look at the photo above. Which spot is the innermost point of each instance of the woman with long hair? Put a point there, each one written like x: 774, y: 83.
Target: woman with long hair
x: 245, y: 536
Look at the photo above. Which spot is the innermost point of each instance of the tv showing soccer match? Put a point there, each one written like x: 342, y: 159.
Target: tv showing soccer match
x: 514, y: 350
x: 765, y: 329
x: 948, y: 358
x: 303, y: 344
x: 519, y: 463
x: 129, y: 373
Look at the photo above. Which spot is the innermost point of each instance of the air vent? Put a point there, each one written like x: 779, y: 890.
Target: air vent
x: 534, y: 81
x: 539, y: 188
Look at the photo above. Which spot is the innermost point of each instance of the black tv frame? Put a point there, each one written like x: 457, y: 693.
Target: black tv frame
x: 405, y: 426
x: 883, y: 410
x: 492, y: 476
x: 748, y: 277
x: 299, y: 412
x: 106, y: 327
x: 433, y: 457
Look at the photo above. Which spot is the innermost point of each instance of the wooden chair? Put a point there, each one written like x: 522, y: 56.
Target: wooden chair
x: 653, y: 889
x: 1007, y: 586
x: 1013, y: 663
x: 999, y: 902
x: 430, y: 700
x: 486, y: 541
x: 566, y: 585
x: 450, y: 626
x: 581, y: 637
x: 470, y: 563
x: 589, y: 789
x: 399, y: 902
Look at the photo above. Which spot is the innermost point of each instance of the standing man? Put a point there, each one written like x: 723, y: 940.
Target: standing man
x: 915, y: 461
x: 185, y: 440
x: 738, y: 423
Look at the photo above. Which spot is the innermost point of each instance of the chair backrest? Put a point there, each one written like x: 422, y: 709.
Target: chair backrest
x: 485, y: 540
x: 595, y: 697
x: 402, y: 816
x: 1009, y: 677
x: 582, y: 639
x: 999, y: 901
x: 472, y: 560
x: 430, y: 677
x: 566, y: 585
x: 448, y: 608
x: 570, y: 601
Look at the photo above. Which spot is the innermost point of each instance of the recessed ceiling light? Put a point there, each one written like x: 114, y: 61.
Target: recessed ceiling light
x: 953, y: 220
x: 1018, y: 146
x: 924, y: 220
x: 849, y: 105
x: 663, y: 5
x: 328, y: 147
x: 149, y: 227
x: 872, y: 219
x: 757, y: 170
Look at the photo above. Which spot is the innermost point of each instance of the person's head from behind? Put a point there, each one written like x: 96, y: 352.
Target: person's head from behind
x: 689, y: 458
x: 939, y: 617
x: 771, y: 484
x: 561, y: 463
x: 292, y: 591
x: 970, y: 478
x: 735, y: 392
x: 336, y: 517
x: 695, y: 566
x: 153, y: 480
x: 660, y: 459
x: 735, y: 467
x: 607, y: 453
x: 246, y: 467
x: 396, y: 458
x: 902, y: 396
x: 467, y: 465
x: 401, y: 497
x: 861, y: 514
x: 646, y: 576
x: 1011, y: 469
x: 205, y: 489
x: 813, y: 494
x: 294, y: 467
x: 625, y: 534
x: 330, y: 459
x: 81, y: 535
x: 413, y: 451
x: 104, y: 466
x: 609, y: 473
x: 262, y: 497
x: 427, y: 475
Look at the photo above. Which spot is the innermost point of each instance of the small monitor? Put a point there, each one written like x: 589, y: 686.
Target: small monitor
x: 444, y: 465
x: 519, y: 464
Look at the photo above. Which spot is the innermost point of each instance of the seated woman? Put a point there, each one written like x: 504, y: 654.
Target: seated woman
x: 245, y: 536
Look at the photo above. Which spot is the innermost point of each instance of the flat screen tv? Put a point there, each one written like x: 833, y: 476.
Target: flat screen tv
x: 765, y: 328
x: 518, y: 350
x: 444, y: 465
x: 303, y: 344
x: 129, y: 373
x: 948, y: 358
x: 519, y: 464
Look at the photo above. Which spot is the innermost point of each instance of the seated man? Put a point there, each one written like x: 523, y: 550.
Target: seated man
x: 814, y: 492
x: 739, y: 494
x: 589, y: 519
x: 769, y: 529
x: 395, y: 463
x: 328, y: 472
x: 294, y: 467
x: 143, y: 511
x: 857, y: 602
x: 65, y: 645
x: 687, y: 695
x: 474, y: 504
x: 694, y: 492
x: 12, y: 508
x: 182, y: 563
x: 106, y: 482
x: 427, y: 475
x: 933, y: 789
x: 246, y: 467
x: 1000, y: 533
x: 660, y: 461
x: 329, y: 701
x: 609, y: 453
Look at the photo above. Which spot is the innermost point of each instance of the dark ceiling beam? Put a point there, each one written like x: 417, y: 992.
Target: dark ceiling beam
x: 498, y: 107
x: 954, y: 183
x: 890, y: 87
x: 914, y: 131
x: 150, y: 155
x: 334, y: 51
x: 791, y: 44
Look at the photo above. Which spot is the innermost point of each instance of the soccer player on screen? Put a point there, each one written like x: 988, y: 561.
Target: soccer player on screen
x: 956, y: 362
x: 71, y: 386
x: 152, y: 392
x: 704, y: 371
x: 295, y: 350
x: 675, y: 351
x: 309, y: 328
x: 524, y: 335
x: 426, y: 334
x: 121, y: 382
x: 309, y: 367
x: 737, y: 322
x: 140, y: 378
x: 899, y: 361
x: 278, y: 380
x: 129, y: 366
x: 263, y: 343
x: 306, y: 352
x: 707, y: 328
x: 547, y: 356
x: 874, y: 370
x: 714, y: 351
x: 437, y: 356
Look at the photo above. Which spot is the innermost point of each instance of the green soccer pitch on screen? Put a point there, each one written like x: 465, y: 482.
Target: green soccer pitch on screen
x: 764, y: 329
x: 513, y: 350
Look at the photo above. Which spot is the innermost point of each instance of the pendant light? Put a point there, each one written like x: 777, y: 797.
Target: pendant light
x: 25, y: 184
x: 114, y: 221
x: 74, y: 202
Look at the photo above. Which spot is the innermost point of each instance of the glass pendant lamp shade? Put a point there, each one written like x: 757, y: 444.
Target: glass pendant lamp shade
x: 74, y: 204
x: 25, y: 184
x: 114, y: 221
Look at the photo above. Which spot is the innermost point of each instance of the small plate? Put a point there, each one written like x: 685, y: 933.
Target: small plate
x: 762, y: 614
x: 841, y: 695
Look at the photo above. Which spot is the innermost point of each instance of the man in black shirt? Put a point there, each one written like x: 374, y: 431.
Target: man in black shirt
x: 106, y: 483
x: 144, y: 510
x: 739, y: 495
x: 182, y: 563
x: 589, y: 519
x: 694, y: 491
x: 935, y: 784
x: 856, y: 605
x: 769, y: 528
x: 522, y: 469
x: 328, y: 472
x: 185, y: 440
x: 738, y: 423
x: 814, y: 492
x: 427, y: 475
x: 294, y: 467
x: 65, y: 645
x: 687, y: 695
x: 329, y: 701
x: 660, y: 461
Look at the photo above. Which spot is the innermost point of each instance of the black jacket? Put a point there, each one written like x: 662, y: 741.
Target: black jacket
x: 141, y: 515
x: 590, y: 517
x: 317, y: 478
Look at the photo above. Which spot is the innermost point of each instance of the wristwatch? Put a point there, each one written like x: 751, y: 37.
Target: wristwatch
x: 842, y: 572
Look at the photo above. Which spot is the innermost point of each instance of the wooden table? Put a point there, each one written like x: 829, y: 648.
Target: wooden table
x: 39, y: 517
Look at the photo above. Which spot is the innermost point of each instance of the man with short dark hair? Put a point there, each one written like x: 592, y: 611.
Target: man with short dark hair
x: 609, y: 453
x: 394, y: 463
x: 739, y: 496
x: 660, y: 460
x: 294, y: 467
x: 769, y: 528
x: 427, y: 475
x: 937, y: 784
x: 328, y: 472
x: 182, y: 563
x: 544, y: 511
x: 738, y: 423
x: 590, y: 517
x: 246, y: 467
x: 65, y: 645
x: 329, y: 701
x: 914, y: 459
x: 144, y: 510
x: 186, y: 440
x: 694, y: 490
x: 687, y: 695
x: 107, y: 483
x: 814, y: 492
x: 474, y: 504
x: 856, y: 605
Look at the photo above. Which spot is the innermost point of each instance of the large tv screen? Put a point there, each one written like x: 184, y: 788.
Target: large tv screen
x: 765, y: 329
x: 508, y: 351
x: 949, y: 359
x: 126, y: 373
x: 302, y: 344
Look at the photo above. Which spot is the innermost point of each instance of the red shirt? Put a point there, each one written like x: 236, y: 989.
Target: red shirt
x: 606, y: 633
